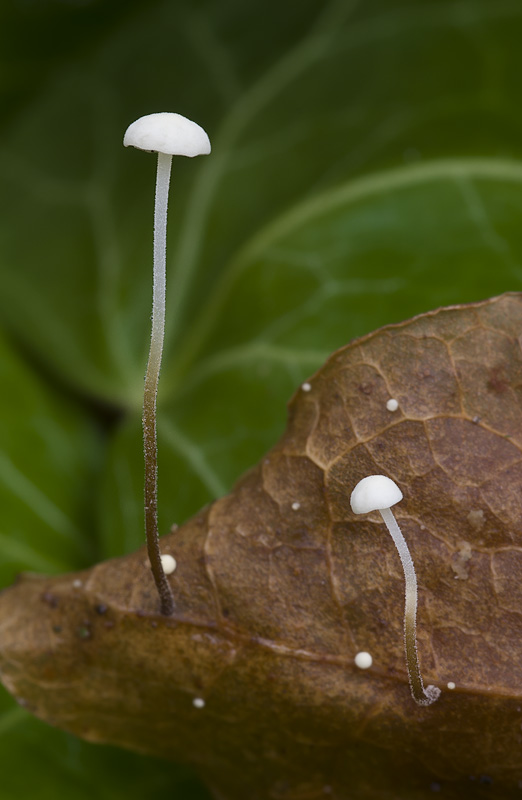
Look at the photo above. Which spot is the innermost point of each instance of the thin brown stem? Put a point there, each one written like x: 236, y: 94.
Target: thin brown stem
x: 151, y: 386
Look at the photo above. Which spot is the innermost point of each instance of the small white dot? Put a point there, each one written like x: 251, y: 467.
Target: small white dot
x: 451, y: 685
x: 169, y: 564
x: 198, y: 702
x: 77, y: 583
x: 306, y: 387
x: 392, y: 404
x: 296, y: 506
x: 363, y: 660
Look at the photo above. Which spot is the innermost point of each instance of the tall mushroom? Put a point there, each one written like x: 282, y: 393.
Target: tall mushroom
x: 379, y: 493
x: 165, y: 134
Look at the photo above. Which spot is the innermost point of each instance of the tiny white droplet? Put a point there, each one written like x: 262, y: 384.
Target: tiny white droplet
x: 169, y: 564
x: 363, y: 660
x: 451, y: 685
x: 77, y: 583
x: 296, y: 506
x: 392, y: 404
x: 198, y: 702
x: 306, y: 387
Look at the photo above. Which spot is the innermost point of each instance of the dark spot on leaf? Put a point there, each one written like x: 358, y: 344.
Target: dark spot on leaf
x: 497, y: 381
x: 50, y: 599
x: 101, y: 608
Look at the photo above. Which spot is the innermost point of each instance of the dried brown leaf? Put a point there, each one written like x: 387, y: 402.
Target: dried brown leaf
x: 278, y: 586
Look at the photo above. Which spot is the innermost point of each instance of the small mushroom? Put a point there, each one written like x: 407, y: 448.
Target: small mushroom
x: 379, y: 493
x: 165, y: 134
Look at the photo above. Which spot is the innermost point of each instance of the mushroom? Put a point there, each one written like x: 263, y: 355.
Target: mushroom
x: 379, y: 493
x: 165, y: 134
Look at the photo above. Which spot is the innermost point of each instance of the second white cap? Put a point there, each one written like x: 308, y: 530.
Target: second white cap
x: 373, y: 493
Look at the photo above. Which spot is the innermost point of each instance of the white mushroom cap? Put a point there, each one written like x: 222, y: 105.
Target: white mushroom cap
x: 167, y: 133
x: 373, y: 493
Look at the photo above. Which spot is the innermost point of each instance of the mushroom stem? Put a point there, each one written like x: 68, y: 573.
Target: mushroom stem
x: 150, y: 445
x: 422, y: 696
x: 166, y: 134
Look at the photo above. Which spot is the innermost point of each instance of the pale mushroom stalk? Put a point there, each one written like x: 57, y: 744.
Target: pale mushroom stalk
x: 379, y: 493
x: 422, y: 696
x: 165, y: 134
x: 150, y: 391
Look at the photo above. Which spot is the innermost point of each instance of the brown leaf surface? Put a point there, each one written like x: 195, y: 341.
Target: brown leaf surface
x: 274, y: 599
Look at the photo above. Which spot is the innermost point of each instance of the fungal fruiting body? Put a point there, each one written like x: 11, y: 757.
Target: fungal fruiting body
x: 363, y: 660
x: 168, y: 563
x: 165, y: 134
x: 379, y: 493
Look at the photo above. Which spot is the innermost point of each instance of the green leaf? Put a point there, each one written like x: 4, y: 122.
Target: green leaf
x: 76, y: 231
x: 48, y: 450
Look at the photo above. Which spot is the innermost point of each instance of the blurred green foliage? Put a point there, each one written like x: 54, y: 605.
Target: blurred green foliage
x: 365, y: 168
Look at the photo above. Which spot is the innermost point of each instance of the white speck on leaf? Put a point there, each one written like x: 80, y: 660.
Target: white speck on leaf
x: 363, y: 660
x: 169, y: 564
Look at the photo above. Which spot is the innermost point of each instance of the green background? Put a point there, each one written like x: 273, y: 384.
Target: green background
x: 366, y: 167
